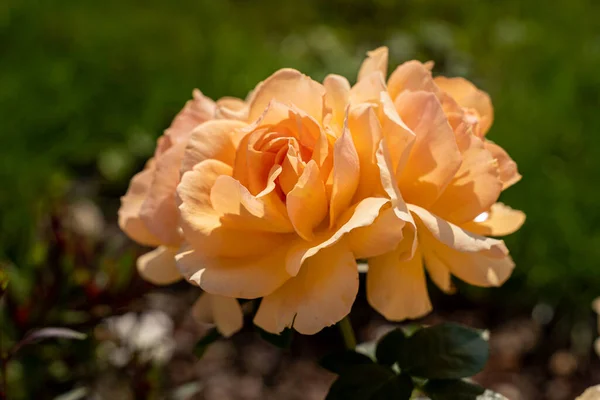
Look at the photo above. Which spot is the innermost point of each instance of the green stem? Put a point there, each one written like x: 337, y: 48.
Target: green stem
x: 347, y: 333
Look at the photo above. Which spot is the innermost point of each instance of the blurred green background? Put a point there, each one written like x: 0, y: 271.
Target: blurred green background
x: 86, y: 88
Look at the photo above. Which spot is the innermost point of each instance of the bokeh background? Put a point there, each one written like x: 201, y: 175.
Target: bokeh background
x: 87, y: 87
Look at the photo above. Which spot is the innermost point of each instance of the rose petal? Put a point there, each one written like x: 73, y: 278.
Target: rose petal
x: 319, y: 296
x: 509, y: 175
x: 131, y: 203
x: 434, y: 158
x: 336, y: 99
x: 398, y: 290
x: 500, y: 220
x: 307, y: 202
x: 158, y: 266
x: 231, y: 108
x: 412, y: 76
x: 224, y: 312
x: 289, y: 87
x: 475, y: 259
x: 346, y: 175
x: 376, y: 61
x: 380, y: 237
x: 468, y: 96
x: 195, y: 112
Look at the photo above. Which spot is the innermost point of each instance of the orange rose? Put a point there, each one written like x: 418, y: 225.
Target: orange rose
x: 281, y: 207
x: 149, y: 213
x: 449, y: 178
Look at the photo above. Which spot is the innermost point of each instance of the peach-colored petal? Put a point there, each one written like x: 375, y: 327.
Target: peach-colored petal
x: 376, y: 61
x: 413, y: 76
x: 434, y: 157
x: 195, y: 112
x: 319, y: 296
x: 473, y: 258
x: 361, y: 214
x: 346, y: 175
x: 368, y: 89
x: 158, y: 266
x: 500, y: 220
x: 336, y: 99
x: 289, y: 87
x: 474, y: 189
x: 211, y: 140
x: 129, y: 213
x: 159, y: 211
x: 380, y: 237
x: 439, y: 272
x: 468, y: 96
x: 224, y: 312
x: 307, y: 202
x: 231, y: 108
x: 398, y: 289
x: 399, y: 137
x: 202, y: 225
x: 242, y: 277
x: 509, y: 175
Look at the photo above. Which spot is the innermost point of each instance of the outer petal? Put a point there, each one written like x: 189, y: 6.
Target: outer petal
x: 319, y: 296
x: 346, y: 175
x: 500, y: 220
x: 474, y: 189
x: 336, y: 98
x: 509, y: 175
x: 158, y: 266
x: 202, y: 225
x: 468, y: 96
x: 212, y: 140
x: 398, y: 290
x: 195, y: 112
x: 380, y: 237
x: 243, y: 277
x: 131, y: 203
x: 289, y: 86
x: 376, y: 61
x: 475, y: 259
x: 434, y: 158
x: 224, y: 312
x: 413, y: 76
x: 232, y: 108
x: 159, y: 211
x: 307, y: 202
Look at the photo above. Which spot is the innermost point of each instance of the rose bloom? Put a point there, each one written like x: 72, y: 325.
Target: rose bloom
x: 445, y: 178
x: 282, y: 206
x: 149, y: 213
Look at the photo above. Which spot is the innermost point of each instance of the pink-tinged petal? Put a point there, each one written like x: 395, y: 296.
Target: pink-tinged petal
x: 398, y: 289
x: 202, y: 225
x: 475, y: 187
x: 158, y: 266
x: 241, y: 209
x: 223, y: 312
x: 307, y: 202
x: 362, y: 214
x: 212, y: 140
x: 241, y: 277
x: 195, y: 112
x: 131, y: 203
x: 231, y: 108
x: 319, y: 296
x: 346, y: 176
x: 336, y: 99
x: 468, y: 96
x: 376, y: 61
x: 434, y: 157
x: 159, y: 211
x: 289, y: 87
x: 509, y: 175
x: 411, y: 76
x: 475, y: 259
x: 500, y: 220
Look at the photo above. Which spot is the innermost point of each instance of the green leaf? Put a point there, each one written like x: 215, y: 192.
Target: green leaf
x: 340, y: 361
x: 454, y: 389
x: 3, y: 282
x: 391, y: 347
x: 370, y: 382
x: 282, y: 340
x: 444, y: 351
x: 212, y: 336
